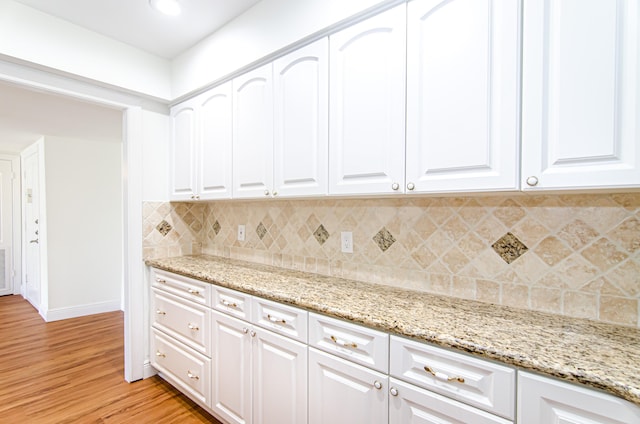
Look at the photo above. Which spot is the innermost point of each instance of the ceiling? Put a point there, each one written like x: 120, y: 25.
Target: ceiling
x: 27, y: 115
x: 134, y: 22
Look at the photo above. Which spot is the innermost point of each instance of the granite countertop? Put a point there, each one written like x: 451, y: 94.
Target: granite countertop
x: 595, y: 354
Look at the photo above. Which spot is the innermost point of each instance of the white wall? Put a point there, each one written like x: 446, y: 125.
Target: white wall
x: 155, y: 154
x: 32, y: 36
x: 264, y: 29
x: 84, y: 226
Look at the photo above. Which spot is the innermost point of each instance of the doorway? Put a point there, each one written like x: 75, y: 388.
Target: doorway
x: 31, y: 225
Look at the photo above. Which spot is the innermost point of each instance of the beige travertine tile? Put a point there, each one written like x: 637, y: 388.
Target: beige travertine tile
x: 581, y: 246
x: 619, y: 310
x: 580, y: 305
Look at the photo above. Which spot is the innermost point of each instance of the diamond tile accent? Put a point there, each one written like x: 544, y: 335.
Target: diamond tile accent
x: 509, y: 248
x: 164, y: 228
x: 321, y: 234
x: 216, y: 227
x: 384, y: 239
x: 261, y: 231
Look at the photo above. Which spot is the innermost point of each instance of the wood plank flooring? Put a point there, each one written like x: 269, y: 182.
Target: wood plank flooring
x: 72, y: 371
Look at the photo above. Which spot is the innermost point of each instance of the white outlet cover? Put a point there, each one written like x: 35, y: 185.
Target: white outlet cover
x: 346, y: 242
x: 241, y: 232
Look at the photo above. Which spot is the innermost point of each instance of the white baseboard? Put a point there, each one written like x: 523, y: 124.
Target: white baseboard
x: 80, y: 310
x: 148, y: 370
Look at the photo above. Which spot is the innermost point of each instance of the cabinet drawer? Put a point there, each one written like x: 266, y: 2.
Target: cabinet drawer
x: 350, y: 341
x: 411, y: 404
x: 188, y: 288
x: 187, y: 321
x: 470, y: 380
x: 281, y: 319
x: 232, y: 302
x: 183, y: 367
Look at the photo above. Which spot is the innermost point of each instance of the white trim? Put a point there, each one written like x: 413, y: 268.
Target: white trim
x: 79, y: 311
x: 16, y: 216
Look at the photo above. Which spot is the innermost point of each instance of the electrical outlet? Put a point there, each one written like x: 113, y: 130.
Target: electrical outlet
x: 240, y: 232
x: 346, y: 238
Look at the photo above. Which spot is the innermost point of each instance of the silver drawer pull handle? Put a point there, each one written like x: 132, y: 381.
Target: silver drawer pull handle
x: 342, y: 343
x: 193, y: 291
x: 160, y: 354
x: 442, y: 376
x: 192, y: 375
x: 159, y: 312
x: 229, y: 304
x: 193, y: 327
x: 160, y: 280
x: 276, y: 320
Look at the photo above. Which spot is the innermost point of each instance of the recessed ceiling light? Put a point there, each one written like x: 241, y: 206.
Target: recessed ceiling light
x: 168, y: 7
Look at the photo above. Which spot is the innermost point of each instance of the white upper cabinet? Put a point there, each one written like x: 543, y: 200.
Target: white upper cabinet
x: 367, y: 103
x: 201, y: 146
x: 301, y: 121
x: 213, y: 179
x: 581, y: 94
x: 183, y: 141
x: 253, y: 133
x: 462, y: 95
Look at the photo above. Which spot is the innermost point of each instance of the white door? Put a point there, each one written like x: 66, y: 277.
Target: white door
x: 231, y: 374
x: 341, y: 392
x: 6, y: 227
x: 183, y: 140
x: 214, y: 115
x: 462, y: 95
x: 279, y: 379
x: 581, y: 94
x: 367, y: 104
x: 253, y: 134
x: 301, y: 126
x: 31, y: 202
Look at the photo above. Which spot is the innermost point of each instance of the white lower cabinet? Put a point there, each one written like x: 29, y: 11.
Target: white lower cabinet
x: 545, y: 400
x: 342, y: 392
x: 409, y: 404
x: 258, y: 376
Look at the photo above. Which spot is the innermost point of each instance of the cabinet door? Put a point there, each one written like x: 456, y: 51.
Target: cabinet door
x: 301, y: 95
x: 341, y: 392
x: 181, y: 155
x: 231, y: 374
x: 213, y: 177
x: 253, y: 134
x: 279, y: 379
x: 543, y: 400
x: 581, y: 94
x: 411, y: 405
x: 462, y: 95
x: 367, y: 103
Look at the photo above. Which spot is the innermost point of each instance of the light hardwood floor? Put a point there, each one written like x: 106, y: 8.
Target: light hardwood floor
x: 72, y: 371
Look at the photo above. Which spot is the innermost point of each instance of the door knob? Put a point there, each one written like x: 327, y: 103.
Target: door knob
x: 33, y: 241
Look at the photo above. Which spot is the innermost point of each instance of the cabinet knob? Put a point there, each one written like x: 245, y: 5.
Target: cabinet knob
x: 275, y: 193
x: 393, y: 391
x: 395, y: 186
x: 266, y: 192
x: 532, y: 181
x: 377, y: 385
x: 252, y: 333
x: 411, y: 186
x: 245, y: 330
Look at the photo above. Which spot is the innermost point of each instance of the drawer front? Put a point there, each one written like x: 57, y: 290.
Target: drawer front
x: 188, y: 288
x: 232, y: 302
x: 411, y: 404
x: 183, y: 367
x: 470, y: 380
x: 350, y: 341
x: 281, y: 319
x: 186, y: 321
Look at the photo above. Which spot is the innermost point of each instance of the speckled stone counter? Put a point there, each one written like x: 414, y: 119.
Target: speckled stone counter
x: 595, y: 354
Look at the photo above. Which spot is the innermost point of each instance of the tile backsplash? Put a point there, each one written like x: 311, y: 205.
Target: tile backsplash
x: 576, y: 255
